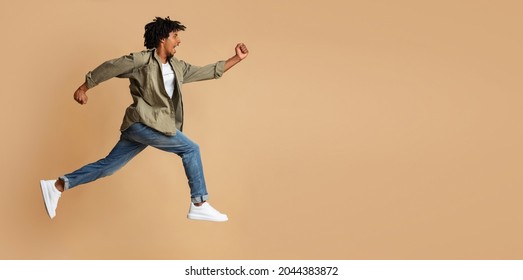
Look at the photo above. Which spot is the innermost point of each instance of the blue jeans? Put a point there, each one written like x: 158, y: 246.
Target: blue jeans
x: 134, y: 140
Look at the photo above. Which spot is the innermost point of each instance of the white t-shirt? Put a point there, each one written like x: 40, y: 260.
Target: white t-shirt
x: 168, y: 78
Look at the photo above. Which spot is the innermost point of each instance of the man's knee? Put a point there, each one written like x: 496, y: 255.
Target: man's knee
x: 194, y: 148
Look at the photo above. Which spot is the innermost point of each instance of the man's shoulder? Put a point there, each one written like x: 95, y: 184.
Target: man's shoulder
x: 142, y: 57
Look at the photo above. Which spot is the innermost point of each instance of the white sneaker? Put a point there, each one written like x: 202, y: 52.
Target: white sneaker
x: 206, y: 212
x: 51, y: 196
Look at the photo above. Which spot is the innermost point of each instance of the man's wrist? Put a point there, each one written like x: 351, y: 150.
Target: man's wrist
x: 84, y: 87
x: 236, y: 58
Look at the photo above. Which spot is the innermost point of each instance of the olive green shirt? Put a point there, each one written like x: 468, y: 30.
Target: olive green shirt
x: 152, y: 105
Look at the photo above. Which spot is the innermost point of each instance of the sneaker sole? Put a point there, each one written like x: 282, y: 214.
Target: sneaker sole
x: 45, y: 196
x: 205, y: 218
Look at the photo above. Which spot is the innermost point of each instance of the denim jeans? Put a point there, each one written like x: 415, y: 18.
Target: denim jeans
x: 134, y: 140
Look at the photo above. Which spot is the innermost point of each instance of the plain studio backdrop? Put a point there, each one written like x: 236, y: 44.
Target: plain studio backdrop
x: 354, y: 130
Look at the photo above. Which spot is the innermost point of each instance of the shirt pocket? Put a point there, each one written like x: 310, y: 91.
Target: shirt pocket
x: 149, y: 80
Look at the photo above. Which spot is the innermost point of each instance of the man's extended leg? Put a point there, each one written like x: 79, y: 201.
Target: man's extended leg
x: 122, y: 153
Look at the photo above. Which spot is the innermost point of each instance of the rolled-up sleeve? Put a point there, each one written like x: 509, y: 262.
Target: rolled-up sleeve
x: 193, y: 73
x: 120, y: 67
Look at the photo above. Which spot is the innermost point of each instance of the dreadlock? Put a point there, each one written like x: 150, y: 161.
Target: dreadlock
x: 159, y: 29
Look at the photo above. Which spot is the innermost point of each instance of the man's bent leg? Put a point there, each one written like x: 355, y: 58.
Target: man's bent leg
x: 190, y: 154
x: 180, y: 145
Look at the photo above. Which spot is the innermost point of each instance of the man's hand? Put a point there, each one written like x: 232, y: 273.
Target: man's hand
x: 242, y: 51
x: 80, y: 95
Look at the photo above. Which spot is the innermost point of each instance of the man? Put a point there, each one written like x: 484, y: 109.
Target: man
x: 155, y: 118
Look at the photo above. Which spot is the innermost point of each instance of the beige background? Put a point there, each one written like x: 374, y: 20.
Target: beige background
x: 354, y: 130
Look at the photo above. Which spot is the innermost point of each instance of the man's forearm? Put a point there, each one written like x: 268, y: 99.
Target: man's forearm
x: 231, y: 62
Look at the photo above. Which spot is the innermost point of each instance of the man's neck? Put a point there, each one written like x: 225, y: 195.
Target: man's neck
x: 162, y: 55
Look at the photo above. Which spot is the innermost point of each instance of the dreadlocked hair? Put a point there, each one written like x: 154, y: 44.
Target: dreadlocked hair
x: 159, y: 29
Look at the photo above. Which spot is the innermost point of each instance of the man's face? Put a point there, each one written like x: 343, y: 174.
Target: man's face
x: 170, y: 43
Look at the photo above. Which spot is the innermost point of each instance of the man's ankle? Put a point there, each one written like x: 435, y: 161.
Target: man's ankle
x: 59, y: 185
